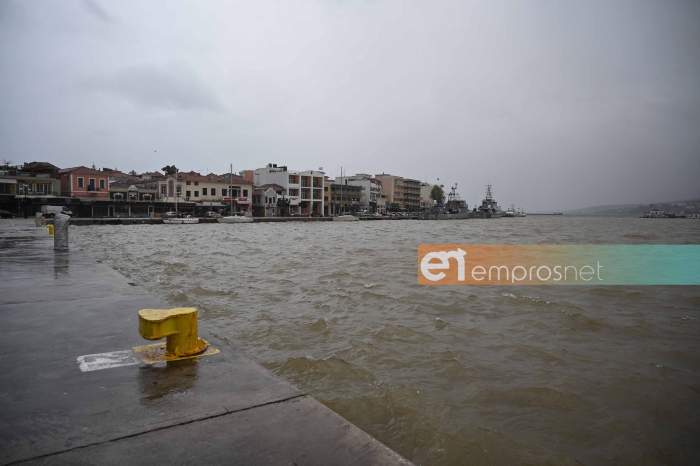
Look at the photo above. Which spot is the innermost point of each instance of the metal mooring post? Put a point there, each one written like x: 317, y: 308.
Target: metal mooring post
x: 39, y: 216
x: 60, y: 236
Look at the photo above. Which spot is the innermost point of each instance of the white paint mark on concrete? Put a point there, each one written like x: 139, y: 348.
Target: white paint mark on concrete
x: 96, y: 362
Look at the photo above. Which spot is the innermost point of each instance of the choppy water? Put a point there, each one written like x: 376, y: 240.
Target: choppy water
x: 444, y: 375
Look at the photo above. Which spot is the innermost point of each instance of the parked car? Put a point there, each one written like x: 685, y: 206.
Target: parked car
x: 212, y: 214
x: 170, y: 215
x: 295, y: 214
x: 52, y: 210
x: 6, y: 214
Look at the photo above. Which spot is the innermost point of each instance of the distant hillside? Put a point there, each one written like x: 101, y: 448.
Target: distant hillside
x: 637, y: 210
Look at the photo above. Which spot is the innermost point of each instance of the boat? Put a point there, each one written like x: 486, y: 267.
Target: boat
x: 234, y: 217
x: 655, y: 213
x: 557, y: 212
x: 489, y: 208
x: 178, y: 220
x: 345, y: 218
x: 454, y: 209
x: 511, y: 211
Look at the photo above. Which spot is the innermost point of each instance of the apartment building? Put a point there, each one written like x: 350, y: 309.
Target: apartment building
x: 411, y: 194
x: 342, y: 198
x: 304, y: 189
x: 371, y: 187
x: 393, y: 186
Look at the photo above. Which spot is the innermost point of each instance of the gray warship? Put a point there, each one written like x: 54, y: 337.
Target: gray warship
x: 454, y: 209
x: 489, y: 208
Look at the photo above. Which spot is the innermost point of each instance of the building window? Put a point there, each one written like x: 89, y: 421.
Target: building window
x: 163, y: 189
x: 81, y: 182
x: 223, y: 192
x: 91, y: 184
x: 204, y: 191
x: 102, y: 184
x: 213, y: 191
x: 188, y: 193
x: 196, y: 194
x: 188, y: 183
x: 245, y: 193
x: 196, y: 183
x: 179, y: 191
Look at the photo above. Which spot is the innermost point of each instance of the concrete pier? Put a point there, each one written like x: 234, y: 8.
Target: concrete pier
x: 56, y: 306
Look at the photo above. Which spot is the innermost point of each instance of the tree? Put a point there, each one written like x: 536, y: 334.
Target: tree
x: 169, y: 169
x: 437, y: 194
x: 133, y: 172
x: 7, y: 162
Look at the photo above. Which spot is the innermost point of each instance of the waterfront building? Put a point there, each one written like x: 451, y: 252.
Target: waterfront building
x: 208, y: 192
x: 393, y: 186
x: 371, y: 187
x: 24, y: 189
x: 411, y: 194
x: 84, y: 183
x: 304, y: 189
x: 265, y: 200
x: 343, y: 198
x: 132, y: 192
x: 381, y: 202
x: 426, y: 201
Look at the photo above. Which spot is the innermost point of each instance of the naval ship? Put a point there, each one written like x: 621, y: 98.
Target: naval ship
x: 489, y: 208
x: 454, y: 209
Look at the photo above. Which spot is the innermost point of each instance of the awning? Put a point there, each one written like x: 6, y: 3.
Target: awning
x: 8, y: 180
x: 212, y: 204
x: 243, y: 200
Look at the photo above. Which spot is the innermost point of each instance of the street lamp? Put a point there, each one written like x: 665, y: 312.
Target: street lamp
x: 24, y: 202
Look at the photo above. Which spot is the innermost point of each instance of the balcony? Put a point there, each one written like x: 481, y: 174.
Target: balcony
x: 92, y: 188
x: 32, y: 192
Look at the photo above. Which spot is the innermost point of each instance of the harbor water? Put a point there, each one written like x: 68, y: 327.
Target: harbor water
x: 443, y: 375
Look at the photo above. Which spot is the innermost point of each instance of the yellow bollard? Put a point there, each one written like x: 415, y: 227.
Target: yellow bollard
x: 179, y: 327
x: 50, y: 227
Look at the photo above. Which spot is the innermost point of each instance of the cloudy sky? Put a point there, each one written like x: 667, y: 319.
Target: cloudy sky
x: 557, y: 104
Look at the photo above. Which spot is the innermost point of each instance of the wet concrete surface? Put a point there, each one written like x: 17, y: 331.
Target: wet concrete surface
x: 223, y: 408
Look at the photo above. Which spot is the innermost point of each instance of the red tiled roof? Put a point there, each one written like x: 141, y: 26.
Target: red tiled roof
x: 225, y: 178
x: 270, y: 185
x: 85, y: 170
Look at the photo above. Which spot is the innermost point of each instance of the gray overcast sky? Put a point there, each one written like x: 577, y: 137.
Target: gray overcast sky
x: 558, y: 104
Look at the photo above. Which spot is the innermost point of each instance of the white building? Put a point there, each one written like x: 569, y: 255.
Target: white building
x: 425, y: 200
x: 304, y: 190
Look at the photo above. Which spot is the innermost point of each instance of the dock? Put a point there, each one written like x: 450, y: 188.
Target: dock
x: 59, y: 308
x: 82, y: 221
